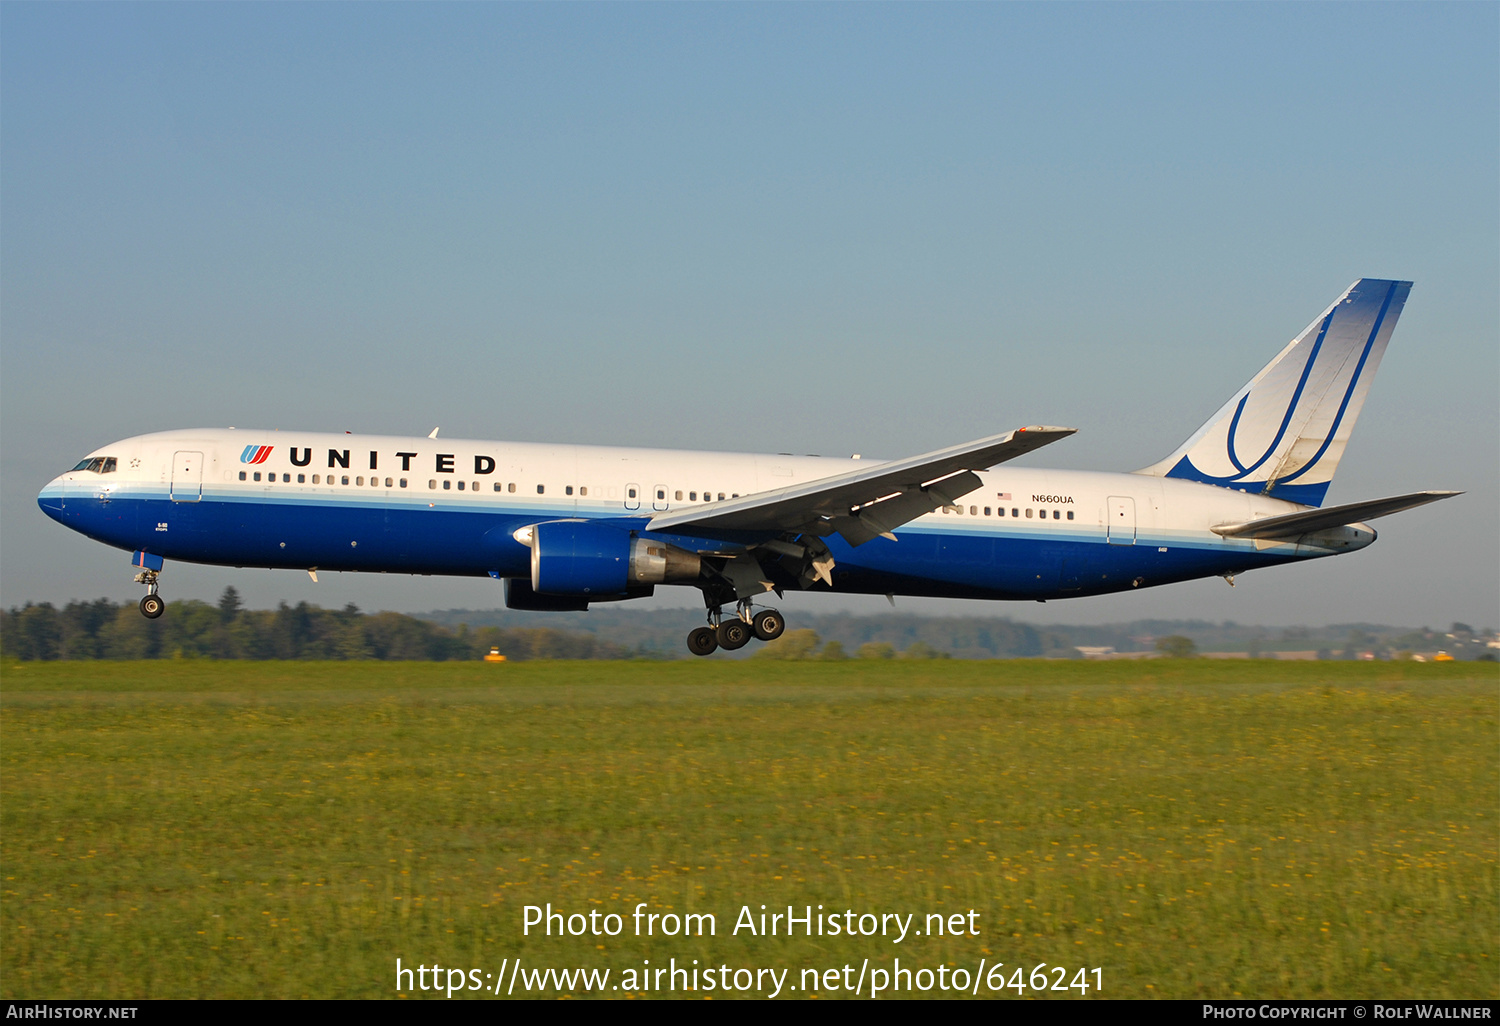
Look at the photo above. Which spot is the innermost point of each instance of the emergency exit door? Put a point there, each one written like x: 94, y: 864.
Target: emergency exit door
x: 187, y: 476
x: 1119, y: 529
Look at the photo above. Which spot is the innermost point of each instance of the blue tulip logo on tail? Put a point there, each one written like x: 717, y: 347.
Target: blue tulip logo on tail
x: 256, y: 453
x: 1283, y: 434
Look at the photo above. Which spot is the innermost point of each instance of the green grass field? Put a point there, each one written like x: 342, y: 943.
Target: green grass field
x: 1192, y: 828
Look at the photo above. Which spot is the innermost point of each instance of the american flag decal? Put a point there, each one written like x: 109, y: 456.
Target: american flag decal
x: 1003, y: 496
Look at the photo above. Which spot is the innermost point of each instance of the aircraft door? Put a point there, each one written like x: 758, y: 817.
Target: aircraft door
x: 187, y: 476
x: 659, y: 500
x: 1120, y: 527
x: 632, y: 496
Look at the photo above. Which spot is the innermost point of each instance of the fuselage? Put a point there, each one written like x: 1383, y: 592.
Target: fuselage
x: 383, y: 504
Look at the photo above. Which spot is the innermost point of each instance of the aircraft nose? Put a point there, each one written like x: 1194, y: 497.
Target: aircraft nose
x: 50, y: 498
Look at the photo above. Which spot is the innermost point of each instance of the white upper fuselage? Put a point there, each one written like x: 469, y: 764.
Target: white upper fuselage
x: 239, y: 497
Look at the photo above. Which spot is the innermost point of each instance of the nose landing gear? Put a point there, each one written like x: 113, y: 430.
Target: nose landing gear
x: 153, y: 605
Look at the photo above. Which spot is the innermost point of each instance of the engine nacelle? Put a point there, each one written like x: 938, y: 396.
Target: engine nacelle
x: 518, y: 595
x: 597, y: 561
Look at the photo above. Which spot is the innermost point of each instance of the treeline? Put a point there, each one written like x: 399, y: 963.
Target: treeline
x: 193, y: 629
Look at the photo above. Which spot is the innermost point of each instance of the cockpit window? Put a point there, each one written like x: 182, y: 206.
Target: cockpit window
x: 99, y: 464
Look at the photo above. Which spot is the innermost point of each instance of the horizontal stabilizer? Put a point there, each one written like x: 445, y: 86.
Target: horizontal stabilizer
x: 828, y: 503
x: 1292, y: 525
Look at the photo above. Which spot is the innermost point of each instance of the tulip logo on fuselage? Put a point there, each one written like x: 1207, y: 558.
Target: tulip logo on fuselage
x: 255, y: 453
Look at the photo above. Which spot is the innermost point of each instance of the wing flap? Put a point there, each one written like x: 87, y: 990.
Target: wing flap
x: 1291, y: 525
x: 886, y: 488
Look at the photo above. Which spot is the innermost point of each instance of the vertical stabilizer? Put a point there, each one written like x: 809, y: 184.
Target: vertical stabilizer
x: 1284, y: 432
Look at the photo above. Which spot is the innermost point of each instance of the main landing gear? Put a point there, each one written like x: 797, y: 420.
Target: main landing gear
x: 153, y: 605
x: 736, y: 632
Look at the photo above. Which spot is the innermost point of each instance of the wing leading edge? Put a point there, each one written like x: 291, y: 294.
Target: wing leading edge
x: 867, y: 503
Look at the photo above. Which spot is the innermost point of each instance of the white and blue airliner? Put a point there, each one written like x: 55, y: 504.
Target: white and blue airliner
x: 568, y: 525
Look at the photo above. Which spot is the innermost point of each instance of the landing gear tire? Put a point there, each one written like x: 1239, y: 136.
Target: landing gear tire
x: 702, y: 641
x: 768, y: 625
x: 152, y: 606
x: 733, y: 634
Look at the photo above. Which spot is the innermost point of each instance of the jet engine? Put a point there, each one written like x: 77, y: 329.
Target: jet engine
x: 595, y: 561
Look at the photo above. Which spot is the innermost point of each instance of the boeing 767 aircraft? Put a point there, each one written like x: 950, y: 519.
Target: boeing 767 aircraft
x: 568, y: 525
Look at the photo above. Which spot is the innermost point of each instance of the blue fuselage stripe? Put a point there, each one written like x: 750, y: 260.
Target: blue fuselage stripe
x: 978, y: 560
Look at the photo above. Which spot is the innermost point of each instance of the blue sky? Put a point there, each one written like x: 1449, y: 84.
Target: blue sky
x: 810, y: 228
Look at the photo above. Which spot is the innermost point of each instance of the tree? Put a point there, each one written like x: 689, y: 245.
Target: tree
x: 798, y: 644
x: 1177, y: 646
x: 833, y: 652
x: 229, y: 604
x: 922, y: 650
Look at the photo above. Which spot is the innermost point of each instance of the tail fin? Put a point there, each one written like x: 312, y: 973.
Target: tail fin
x: 1283, y: 434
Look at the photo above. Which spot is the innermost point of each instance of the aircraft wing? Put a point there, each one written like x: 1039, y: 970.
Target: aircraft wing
x: 1291, y: 525
x: 865, y: 503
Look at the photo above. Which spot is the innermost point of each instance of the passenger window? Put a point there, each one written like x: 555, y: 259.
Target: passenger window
x: 447, y: 485
x: 302, y: 479
x: 315, y: 479
x: 679, y: 496
x: 721, y: 496
x: 986, y: 511
x: 474, y: 487
x: 511, y: 487
x: 431, y: 483
x: 1028, y: 514
x: 257, y: 475
x: 541, y: 489
x: 736, y: 495
x: 661, y: 493
x: 344, y: 479
x: 1070, y: 514
x: 583, y: 490
x: 360, y: 481
x: 692, y: 496
x: 498, y: 486
x: 242, y: 475
x: 568, y: 490
x: 460, y: 485
x: 630, y: 492
x: 1015, y: 512
x: 1056, y: 515
x: 403, y: 482
x: 387, y: 482
x: 973, y: 511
